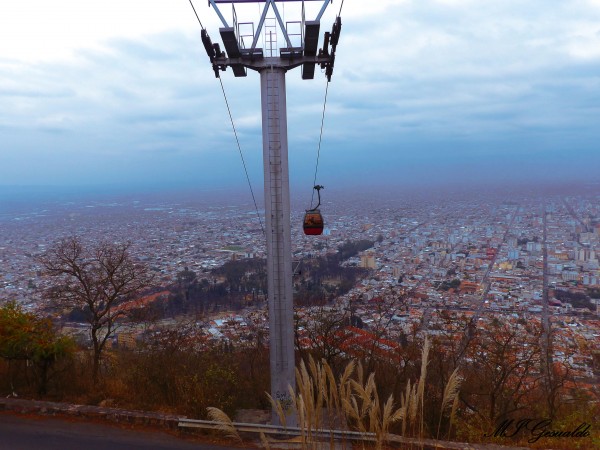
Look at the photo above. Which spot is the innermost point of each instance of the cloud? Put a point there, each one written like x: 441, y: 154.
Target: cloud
x: 431, y: 90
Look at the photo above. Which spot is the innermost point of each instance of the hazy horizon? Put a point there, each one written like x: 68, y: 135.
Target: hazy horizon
x: 13, y: 197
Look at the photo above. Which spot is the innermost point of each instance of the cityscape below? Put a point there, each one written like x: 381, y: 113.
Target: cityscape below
x: 432, y: 260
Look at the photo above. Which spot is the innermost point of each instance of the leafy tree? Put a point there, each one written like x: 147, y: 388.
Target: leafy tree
x: 185, y: 279
x: 351, y: 248
x: 15, y: 332
x: 577, y: 299
x: 95, y: 279
x: 26, y: 336
x: 47, y: 348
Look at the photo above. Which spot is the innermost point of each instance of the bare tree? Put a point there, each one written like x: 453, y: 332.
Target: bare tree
x: 323, y: 333
x: 95, y: 280
x: 502, y: 374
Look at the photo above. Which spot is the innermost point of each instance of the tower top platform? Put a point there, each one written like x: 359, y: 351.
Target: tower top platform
x: 300, y: 47
x: 260, y: 1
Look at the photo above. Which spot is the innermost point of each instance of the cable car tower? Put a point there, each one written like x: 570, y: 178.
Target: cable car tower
x: 272, y: 69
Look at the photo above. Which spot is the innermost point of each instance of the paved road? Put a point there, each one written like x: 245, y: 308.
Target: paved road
x: 471, y: 327
x: 575, y: 216
x: 43, y: 433
x: 546, y: 338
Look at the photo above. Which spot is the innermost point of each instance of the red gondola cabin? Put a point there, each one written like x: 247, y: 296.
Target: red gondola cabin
x: 313, y: 222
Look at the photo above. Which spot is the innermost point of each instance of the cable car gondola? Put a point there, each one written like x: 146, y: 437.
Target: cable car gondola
x: 313, y: 220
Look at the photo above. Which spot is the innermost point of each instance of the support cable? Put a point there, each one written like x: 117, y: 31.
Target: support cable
x: 341, y: 6
x: 241, y: 156
x: 236, y: 136
x: 319, y: 147
x: 198, y: 17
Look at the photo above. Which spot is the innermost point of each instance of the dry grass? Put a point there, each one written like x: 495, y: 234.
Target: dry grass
x: 322, y: 403
x: 450, y: 398
x: 264, y: 441
x: 353, y: 401
x: 225, y: 423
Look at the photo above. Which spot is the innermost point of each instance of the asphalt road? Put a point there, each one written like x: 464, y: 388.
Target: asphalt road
x: 44, y: 433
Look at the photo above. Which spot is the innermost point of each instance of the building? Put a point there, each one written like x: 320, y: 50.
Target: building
x: 367, y: 260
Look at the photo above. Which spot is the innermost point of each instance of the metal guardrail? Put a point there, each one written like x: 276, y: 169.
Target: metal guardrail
x: 278, y: 430
x: 343, y: 434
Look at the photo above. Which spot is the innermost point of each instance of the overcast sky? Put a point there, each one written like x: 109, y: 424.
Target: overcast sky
x: 424, y: 91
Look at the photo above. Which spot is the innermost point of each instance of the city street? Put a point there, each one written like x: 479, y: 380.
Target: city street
x: 43, y: 433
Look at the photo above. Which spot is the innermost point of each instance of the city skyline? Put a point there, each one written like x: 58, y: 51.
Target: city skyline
x: 423, y: 93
